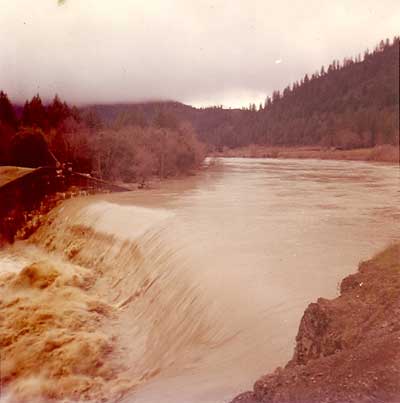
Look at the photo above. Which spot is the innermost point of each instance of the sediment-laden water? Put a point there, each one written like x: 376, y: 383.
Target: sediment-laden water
x: 189, y: 292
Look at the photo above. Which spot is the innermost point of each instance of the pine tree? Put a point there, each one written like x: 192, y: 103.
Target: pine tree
x: 57, y: 112
x: 34, y: 113
x: 7, y: 112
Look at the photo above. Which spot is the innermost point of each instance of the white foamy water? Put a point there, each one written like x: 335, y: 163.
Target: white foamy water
x: 11, y: 264
x: 205, y: 280
x: 127, y: 222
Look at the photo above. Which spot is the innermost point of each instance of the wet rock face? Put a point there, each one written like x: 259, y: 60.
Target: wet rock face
x: 246, y: 397
x: 348, y: 348
x: 312, y: 340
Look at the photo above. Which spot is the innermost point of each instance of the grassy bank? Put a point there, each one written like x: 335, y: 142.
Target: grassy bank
x: 384, y: 153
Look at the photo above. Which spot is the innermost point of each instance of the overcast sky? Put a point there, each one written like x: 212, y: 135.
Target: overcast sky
x: 200, y: 52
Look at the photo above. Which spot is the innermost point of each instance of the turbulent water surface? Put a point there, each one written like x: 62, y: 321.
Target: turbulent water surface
x: 187, y: 293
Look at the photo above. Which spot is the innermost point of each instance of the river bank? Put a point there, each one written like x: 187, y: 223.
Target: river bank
x: 348, y: 348
x: 27, y: 194
x: 384, y: 153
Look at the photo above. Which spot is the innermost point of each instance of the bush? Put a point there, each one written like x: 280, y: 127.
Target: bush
x: 133, y: 154
x: 30, y: 149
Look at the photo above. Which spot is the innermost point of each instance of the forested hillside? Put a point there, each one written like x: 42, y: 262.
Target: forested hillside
x: 348, y: 104
x: 353, y: 104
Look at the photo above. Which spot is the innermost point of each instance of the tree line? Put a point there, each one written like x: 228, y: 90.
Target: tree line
x: 129, y: 150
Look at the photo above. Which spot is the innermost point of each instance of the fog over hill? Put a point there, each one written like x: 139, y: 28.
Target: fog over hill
x: 348, y: 104
x: 201, y: 53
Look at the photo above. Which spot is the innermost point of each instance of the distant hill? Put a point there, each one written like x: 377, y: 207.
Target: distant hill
x: 349, y: 104
x: 214, y: 125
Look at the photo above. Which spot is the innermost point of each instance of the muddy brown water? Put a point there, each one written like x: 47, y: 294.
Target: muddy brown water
x: 209, y: 275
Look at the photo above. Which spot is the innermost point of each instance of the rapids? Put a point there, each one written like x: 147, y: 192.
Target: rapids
x: 188, y: 292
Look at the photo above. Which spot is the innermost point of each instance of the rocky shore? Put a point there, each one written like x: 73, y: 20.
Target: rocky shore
x: 347, y: 349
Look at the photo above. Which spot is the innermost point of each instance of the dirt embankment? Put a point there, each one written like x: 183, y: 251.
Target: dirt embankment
x: 348, y: 348
x: 384, y: 153
x: 26, y: 195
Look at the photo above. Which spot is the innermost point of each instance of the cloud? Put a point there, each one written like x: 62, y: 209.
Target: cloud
x: 192, y: 51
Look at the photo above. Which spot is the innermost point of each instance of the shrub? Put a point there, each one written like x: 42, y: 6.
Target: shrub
x: 30, y: 149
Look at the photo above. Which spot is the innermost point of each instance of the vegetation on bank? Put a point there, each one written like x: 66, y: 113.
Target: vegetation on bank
x: 383, y: 153
x: 128, y: 150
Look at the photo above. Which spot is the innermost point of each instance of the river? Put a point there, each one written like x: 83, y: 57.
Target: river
x: 207, y: 278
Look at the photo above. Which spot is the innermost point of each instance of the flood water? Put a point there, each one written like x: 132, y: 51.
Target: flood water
x: 208, y: 276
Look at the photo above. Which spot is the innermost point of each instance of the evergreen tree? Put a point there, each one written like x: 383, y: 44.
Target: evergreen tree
x: 34, y: 113
x: 7, y: 112
x: 57, y: 112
